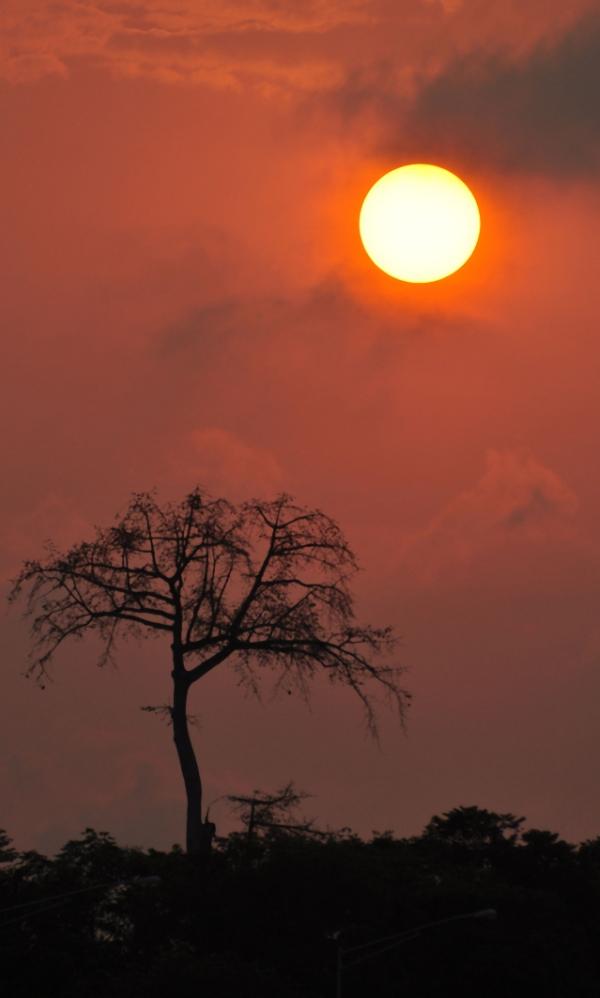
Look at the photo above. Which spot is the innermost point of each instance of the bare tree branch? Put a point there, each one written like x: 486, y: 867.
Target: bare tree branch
x: 263, y: 585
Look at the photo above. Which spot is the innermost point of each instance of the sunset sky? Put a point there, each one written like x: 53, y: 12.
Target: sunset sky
x: 186, y: 301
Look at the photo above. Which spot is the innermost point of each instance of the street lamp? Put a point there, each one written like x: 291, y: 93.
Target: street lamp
x: 352, y: 955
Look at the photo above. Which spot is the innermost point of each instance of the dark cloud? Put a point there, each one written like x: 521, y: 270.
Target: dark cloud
x: 539, y: 114
x: 316, y: 327
x: 538, y: 505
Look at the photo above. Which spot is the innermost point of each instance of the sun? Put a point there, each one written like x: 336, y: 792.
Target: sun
x: 419, y: 223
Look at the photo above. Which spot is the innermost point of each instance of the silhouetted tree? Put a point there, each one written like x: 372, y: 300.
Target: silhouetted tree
x: 261, y: 584
x: 110, y: 922
x: 7, y: 853
x: 274, y: 813
x: 473, y: 827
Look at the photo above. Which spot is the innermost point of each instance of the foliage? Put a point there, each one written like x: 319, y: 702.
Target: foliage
x: 101, y: 920
x: 473, y: 827
x: 272, y: 814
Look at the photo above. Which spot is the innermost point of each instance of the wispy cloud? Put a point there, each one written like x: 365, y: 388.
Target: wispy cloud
x: 517, y: 501
x: 220, y: 460
x: 172, y: 40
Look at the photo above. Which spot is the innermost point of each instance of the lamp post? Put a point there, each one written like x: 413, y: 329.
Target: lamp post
x: 352, y: 955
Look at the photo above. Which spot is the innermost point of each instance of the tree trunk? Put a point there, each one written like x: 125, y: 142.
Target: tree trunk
x: 198, y: 834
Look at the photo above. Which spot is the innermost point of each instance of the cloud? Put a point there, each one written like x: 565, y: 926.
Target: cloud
x: 518, y: 502
x: 529, y: 107
x: 171, y: 40
x: 515, y: 491
x: 535, y: 113
x: 181, y: 16
x: 318, y: 362
x: 225, y: 464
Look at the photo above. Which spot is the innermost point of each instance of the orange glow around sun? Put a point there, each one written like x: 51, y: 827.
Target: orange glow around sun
x: 419, y: 223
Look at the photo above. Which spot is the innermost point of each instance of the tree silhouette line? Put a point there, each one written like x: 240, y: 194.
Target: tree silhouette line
x: 101, y: 920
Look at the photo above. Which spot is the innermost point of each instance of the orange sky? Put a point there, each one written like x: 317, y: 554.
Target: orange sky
x: 185, y: 300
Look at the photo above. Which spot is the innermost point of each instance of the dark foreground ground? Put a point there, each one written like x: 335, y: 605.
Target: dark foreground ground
x: 99, y: 920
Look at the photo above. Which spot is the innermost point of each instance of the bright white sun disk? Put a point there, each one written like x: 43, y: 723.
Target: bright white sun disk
x: 419, y: 223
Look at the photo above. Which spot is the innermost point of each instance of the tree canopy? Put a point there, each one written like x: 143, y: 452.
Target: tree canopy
x: 262, y: 585
x: 102, y: 920
x: 266, y: 582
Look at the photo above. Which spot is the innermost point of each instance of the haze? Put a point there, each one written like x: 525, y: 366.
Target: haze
x: 185, y: 300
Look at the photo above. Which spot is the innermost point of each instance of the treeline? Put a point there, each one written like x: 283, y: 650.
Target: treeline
x: 264, y: 917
